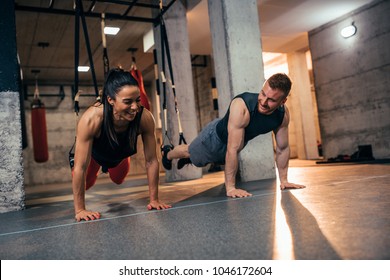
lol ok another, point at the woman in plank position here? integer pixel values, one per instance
(107, 136)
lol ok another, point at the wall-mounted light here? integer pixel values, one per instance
(111, 30)
(348, 31)
(83, 68)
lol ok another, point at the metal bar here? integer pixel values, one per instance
(195, 57)
(144, 5)
(167, 7)
(82, 94)
(45, 67)
(48, 95)
(130, 7)
(56, 84)
(92, 6)
(87, 14)
(60, 95)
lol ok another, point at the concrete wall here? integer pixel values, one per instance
(11, 168)
(202, 74)
(11, 165)
(61, 131)
(352, 81)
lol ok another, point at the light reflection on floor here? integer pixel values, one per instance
(283, 245)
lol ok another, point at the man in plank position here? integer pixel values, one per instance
(248, 116)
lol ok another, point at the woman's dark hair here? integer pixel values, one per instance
(116, 79)
(280, 81)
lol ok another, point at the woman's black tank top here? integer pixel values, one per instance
(108, 156)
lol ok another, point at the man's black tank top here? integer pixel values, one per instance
(258, 123)
(108, 156)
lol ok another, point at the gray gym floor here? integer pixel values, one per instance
(342, 214)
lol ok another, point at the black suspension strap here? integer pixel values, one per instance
(76, 111)
(156, 72)
(79, 14)
(165, 49)
(106, 62)
(164, 87)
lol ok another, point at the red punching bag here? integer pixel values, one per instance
(138, 76)
(38, 125)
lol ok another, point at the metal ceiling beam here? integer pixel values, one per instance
(124, 16)
(87, 14)
(121, 2)
(131, 5)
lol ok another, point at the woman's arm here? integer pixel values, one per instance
(87, 127)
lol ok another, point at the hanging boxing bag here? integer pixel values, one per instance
(39, 134)
(138, 76)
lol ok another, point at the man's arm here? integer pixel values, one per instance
(283, 153)
(151, 161)
(238, 120)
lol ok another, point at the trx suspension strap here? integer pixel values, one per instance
(106, 62)
(165, 49)
(156, 71)
(76, 111)
(163, 80)
(79, 13)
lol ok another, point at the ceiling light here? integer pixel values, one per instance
(348, 31)
(111, 30)
(83, 68)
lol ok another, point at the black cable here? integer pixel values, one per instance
(87, 43)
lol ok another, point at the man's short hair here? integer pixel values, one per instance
(280, 81)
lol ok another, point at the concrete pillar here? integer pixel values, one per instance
(238, 62)
(176, 25)
(302, 111)
(11, 168)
